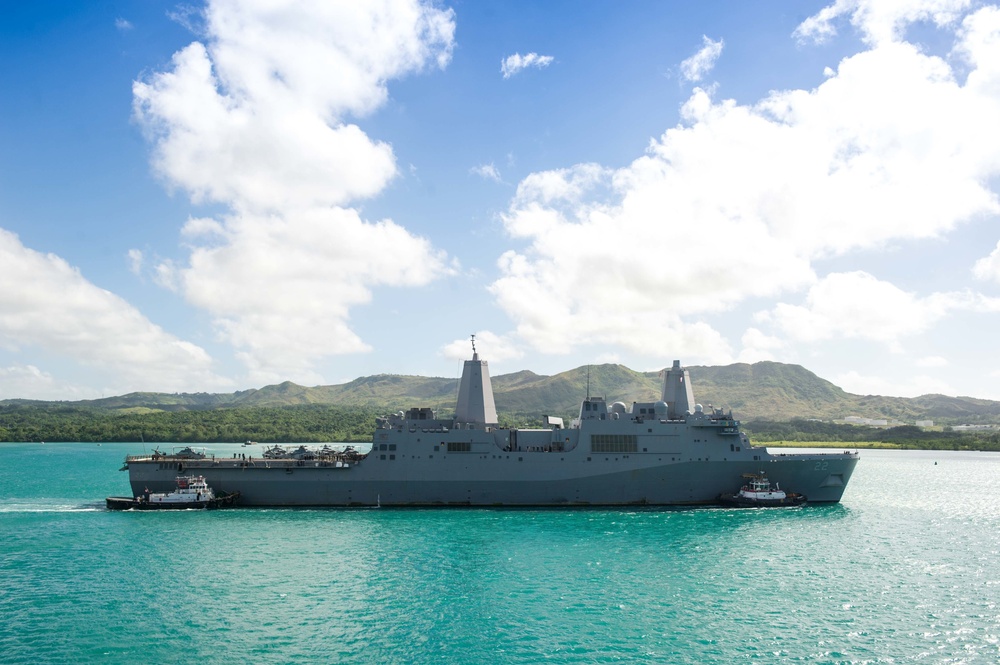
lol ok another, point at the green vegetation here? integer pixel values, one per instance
(321, 423)
(776, 402)
(867, 445)
(800, 432)
(762, 391)
(309, 423)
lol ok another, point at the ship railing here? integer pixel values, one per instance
(251, 462)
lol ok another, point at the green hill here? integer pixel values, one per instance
(774, 391)
(761, 391)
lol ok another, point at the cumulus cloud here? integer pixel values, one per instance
(281, 287)
(89, 324)
(702, 62)
(514, 64)
(858, 305)
(257, 116)
(740, 201)
(123, 24)
(260, 117)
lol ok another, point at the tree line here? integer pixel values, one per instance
(904, 436)
(306, 423)
(354, 424)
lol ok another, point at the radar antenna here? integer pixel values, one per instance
(473, 345)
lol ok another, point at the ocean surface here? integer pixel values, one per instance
(905, 570)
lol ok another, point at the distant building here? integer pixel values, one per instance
(925, 423)
(858, 420)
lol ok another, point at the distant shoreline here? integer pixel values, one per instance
(832, 444)
(837, 445)
(864, 445)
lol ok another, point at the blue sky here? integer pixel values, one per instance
(222, 196)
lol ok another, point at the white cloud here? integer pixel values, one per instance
(514, 64)
(702, 62)
(187, 16)
(740, 201)
(758, 346)
(931, 361)
(879, 21)
(258, 117)
(166, 275)
(281, 288)
(122, 24)
(859, 306)
(491, 347)
(46, 304)
(988, 268)
(608, 357)
(487, 172)
(29, 382)
(859, 384)
(135, 260)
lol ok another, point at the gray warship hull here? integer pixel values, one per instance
(506, 480)
(669, 452)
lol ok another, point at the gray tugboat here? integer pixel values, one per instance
(668, 452)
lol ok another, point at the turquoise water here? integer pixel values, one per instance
(905, 570)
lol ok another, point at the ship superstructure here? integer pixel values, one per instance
(668, 452)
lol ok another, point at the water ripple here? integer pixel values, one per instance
(885, 577)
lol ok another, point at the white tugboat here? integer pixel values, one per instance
(759, 492)
(191, 492)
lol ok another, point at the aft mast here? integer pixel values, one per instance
(475, 393)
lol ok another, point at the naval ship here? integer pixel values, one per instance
(663, 453)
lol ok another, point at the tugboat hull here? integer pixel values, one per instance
(737, 501)
(139, 503)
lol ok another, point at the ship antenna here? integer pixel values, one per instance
(473, 345)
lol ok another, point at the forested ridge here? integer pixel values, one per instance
(309, 423)
(903, 436)
(325, 423)
(775, 401)
(761, 391)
